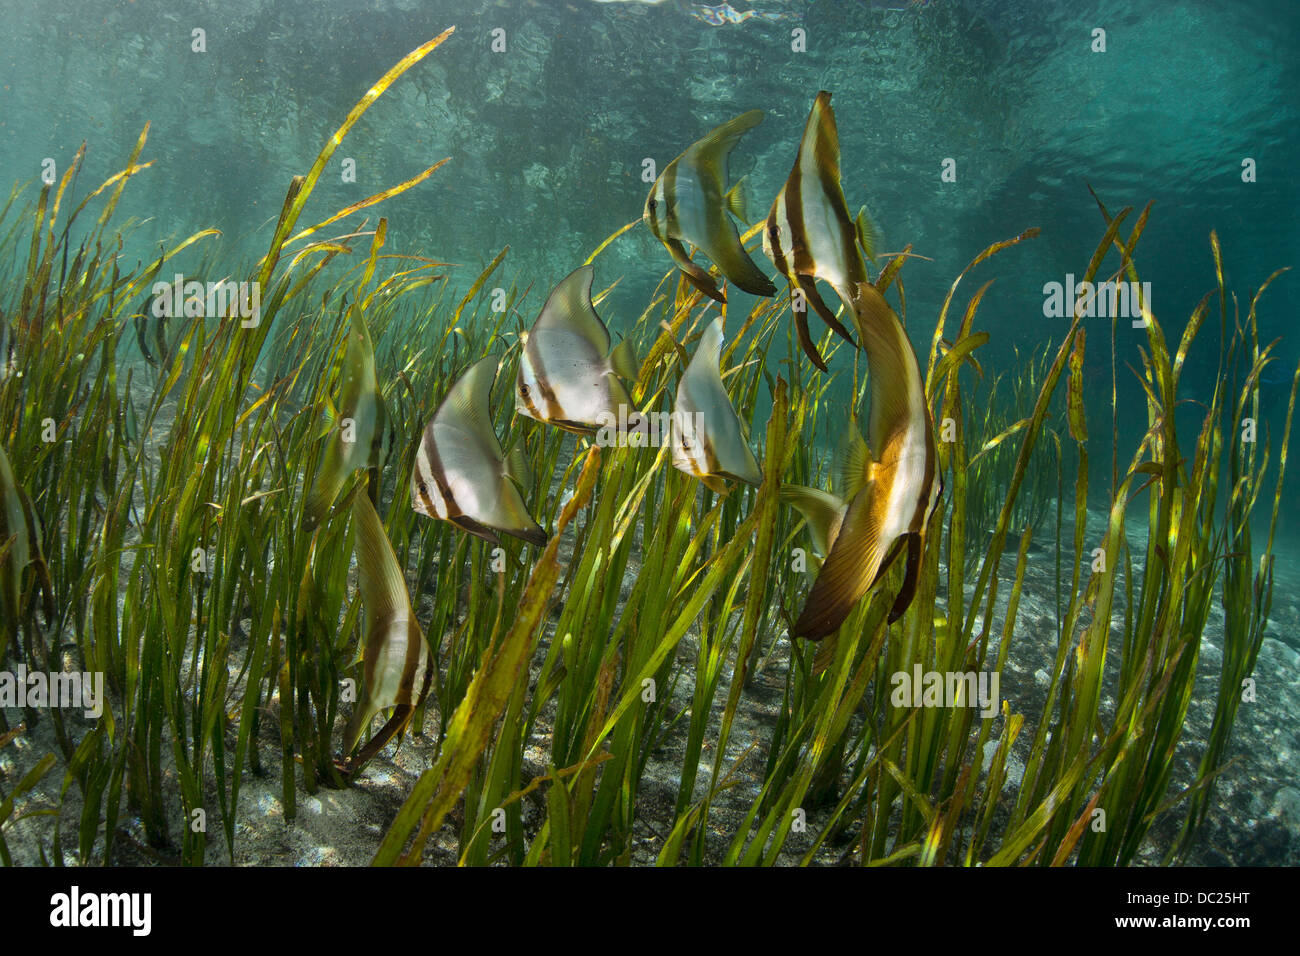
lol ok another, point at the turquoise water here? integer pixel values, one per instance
(547, 138)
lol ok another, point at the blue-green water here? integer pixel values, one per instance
(1190, 105)
(547, 138)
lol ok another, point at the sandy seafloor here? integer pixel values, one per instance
(1255, 819)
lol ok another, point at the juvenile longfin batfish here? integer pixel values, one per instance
(891, 488)
(689, 202)
(460, 473)
(809, 234)
(706, 435)
(396, 659)
(568, 377)
(20, 530)
(355, 436)
(8, 349)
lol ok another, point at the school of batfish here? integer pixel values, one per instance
(570, 376)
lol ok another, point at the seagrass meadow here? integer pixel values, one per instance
(1097, 667)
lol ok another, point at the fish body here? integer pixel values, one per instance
(891, 483)
(689, 203)
(568, 376)
(707, 440)
(396, 659)
(8, 350)
(460, 473)
(355, 434)
(809, 234)
(151, 328)
(18, 521)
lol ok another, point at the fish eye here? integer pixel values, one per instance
(523, 389)
(686, 445)
(652, 205)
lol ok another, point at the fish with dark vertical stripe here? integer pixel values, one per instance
(460, 473)
(690, 203)
(396, 660)
(355, 432)
(568, 376)
(809, 234)
(890, 487)
(706, 435)
(20, 548)
(8, 349)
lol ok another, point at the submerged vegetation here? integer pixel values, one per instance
(178, 542)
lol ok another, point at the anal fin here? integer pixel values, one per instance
(805, 338)
(694, 274)
(908, 591)
(809, 286)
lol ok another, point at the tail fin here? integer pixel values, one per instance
(737, 200)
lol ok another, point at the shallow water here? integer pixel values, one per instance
(961, 122)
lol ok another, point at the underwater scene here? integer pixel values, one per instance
(635, 433)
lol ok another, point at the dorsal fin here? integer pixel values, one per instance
(466, 405)
(822, 139)
(569, 307)
(709, 353)
(701, 392)
(897, 395)
(709, 155)
(383, 589)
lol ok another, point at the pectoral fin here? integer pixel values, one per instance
(517, 466)
(868, 234)
(821, 510)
